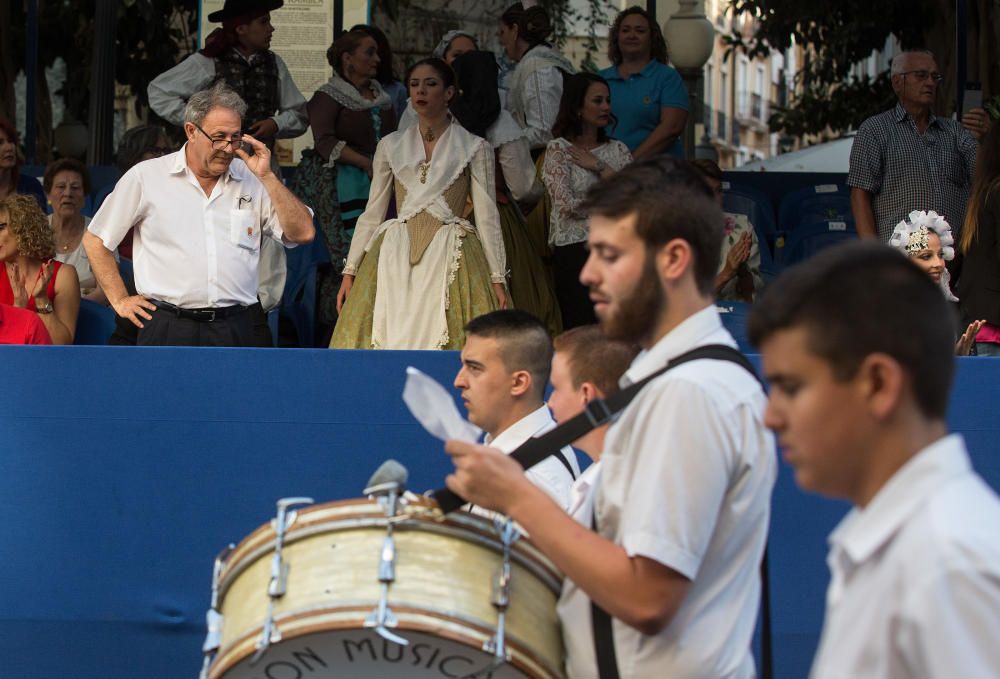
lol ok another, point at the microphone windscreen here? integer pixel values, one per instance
(390, 471)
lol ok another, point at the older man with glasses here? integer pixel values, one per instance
(907, 158)
(199, 216)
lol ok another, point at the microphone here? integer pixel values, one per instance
(391, 476)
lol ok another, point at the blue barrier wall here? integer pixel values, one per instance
(124, 471)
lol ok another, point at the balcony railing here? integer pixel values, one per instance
(756, 107)
(721, 125)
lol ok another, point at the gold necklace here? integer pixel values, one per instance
(430, 135)
(424, 166)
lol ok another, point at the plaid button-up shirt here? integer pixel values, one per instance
(905, 170)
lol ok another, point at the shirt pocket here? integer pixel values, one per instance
(244, 232)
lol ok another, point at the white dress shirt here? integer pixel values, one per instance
(915, 577)
(550, 474)
(189, 249)
(686, 477)
(169, 92)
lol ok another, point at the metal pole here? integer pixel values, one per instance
(31, 89)
(691, 76)
(338, 17)
(102, 90)
(961, 52)
(651, 9)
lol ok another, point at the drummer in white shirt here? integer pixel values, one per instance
(505, 368)
(199, 217)
(858, 346)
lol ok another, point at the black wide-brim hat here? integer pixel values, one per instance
(236, 8)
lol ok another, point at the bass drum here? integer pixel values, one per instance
(441, 599)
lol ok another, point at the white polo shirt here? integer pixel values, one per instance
(550, 474)
(915, 576)
(686, 477)
(189, 249)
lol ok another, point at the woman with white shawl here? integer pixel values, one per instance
(536, 85)
(414, 281)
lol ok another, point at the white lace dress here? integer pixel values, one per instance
(567, 184)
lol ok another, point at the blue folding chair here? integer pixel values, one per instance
(94, 323)
(808, 239)
(755, 204)
(814, 204)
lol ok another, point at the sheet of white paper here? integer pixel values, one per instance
(434, 408)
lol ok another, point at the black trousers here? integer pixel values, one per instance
(572, 295)
(166, 329)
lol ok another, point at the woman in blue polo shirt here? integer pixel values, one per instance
(647, 96)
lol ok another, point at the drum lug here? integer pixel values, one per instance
(496, 645)
(278, 584)
(382, 618)
(213, 618)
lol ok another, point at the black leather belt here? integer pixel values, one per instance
(207, 315)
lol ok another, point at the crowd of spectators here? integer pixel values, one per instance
(552, 133)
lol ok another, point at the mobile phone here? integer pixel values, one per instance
(973, 97)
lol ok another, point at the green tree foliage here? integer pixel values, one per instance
(836, 36)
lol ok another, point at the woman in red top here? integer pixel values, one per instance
(32, 279)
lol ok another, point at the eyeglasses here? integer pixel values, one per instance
(221, 144)
(923, 75)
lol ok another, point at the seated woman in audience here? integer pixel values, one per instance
(11, 179)
(648, 97)
(66, 184)
(535, 87)
(738, 279)
(925, 237)
(979, 285)
(579, 156)
(32, 279)
(478, 109)
(349, 114)
(414, 281)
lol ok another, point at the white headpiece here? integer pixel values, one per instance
(910, 237)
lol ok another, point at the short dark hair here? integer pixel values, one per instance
(670, 200)
(524, 342)
(137, 141)
(857, 299)
(65, 165)
(569, 122)
(657, 44)
(594, 357)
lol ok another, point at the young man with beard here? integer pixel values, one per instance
(681, 509)
(860, 365)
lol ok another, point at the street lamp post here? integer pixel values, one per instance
(690, 38)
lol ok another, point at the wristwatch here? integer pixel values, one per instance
(45, 308)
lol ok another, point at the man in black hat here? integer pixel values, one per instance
(238, 54)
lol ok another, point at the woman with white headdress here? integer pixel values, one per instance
(925, 237)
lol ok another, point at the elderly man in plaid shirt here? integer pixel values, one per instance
(909, 159)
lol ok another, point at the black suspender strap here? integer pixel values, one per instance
(597, 413)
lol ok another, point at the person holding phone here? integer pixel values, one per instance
(200, 217)
(907, 158)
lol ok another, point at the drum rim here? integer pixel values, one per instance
(316, 519)
(297, 624)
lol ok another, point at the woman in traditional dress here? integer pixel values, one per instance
(413, 282)
(477, 108)
(579, 156)
(536, 85)
(349, 114)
